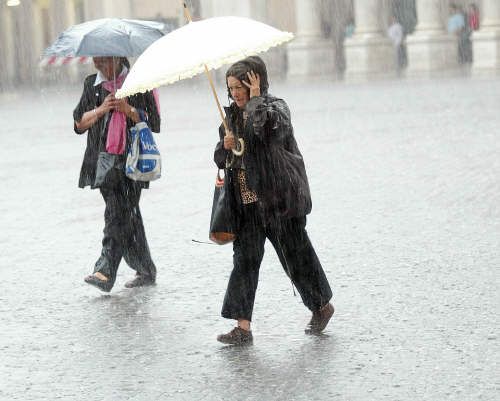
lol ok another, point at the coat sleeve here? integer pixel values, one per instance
(146, 102)
(220, 154)
(271, 117)
(86, 103)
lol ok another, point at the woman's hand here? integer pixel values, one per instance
(253, 84)
(229, 141)
(91, 117)
(121, 105)
(106, 106)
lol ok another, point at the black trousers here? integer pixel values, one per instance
(295, 252)
(124, 234)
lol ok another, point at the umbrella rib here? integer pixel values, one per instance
(75, 41)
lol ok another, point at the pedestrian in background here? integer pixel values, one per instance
(395, 33)
(458, 27)
(107, 120)
(270, 198)
(349, 28)
(473, 17)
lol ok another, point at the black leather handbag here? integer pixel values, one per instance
(105, 163)
(222, 220)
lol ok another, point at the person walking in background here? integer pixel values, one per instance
(472, 24)
(349, 28)
(473, 17)
(107, 120)
(458, 27)
(270, 197)
(395, 33)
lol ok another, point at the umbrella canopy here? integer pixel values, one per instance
(61, 61)
(106, 37)
(186, 51)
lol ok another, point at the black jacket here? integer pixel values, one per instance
(274, 165)
(92, 97)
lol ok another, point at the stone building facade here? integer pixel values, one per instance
(321, 47)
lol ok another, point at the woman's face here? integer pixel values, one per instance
(238, 91)
(106, 64)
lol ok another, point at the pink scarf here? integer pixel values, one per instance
(117, 129)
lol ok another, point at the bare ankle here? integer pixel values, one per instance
(100, 276)
(244, 324)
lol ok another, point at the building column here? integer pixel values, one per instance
(430, 47)
(116, 9)
(309, 54)
(486, 41)
(218, 8)
(23, 31)
(368, 52)
(275, 57)
(95, 9)
(8, 77)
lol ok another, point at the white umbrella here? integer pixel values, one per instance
(198, 47)
(184, 52)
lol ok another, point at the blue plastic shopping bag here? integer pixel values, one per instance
(143, 158)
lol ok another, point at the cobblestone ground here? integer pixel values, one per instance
(406, 221)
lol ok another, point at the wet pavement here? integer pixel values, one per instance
(406, 221)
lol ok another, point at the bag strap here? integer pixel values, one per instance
(142, 115)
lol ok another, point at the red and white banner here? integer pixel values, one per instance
(59, 61)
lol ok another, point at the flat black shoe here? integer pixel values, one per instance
(103, 285)
(236, 336)
(320, 319)
(140, 280)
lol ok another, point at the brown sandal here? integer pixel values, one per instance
(103, 285)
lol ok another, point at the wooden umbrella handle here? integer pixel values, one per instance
(187, 14)
(207, 73)
(240, 151)
(212, 86)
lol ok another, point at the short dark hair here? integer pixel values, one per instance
(124, 61)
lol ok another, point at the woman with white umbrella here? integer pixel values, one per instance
(270, 198)
(107, 120)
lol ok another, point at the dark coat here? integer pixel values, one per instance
(92, 97)
(274, 165)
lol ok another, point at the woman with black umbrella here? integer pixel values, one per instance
(270, 198)
(107, 121)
